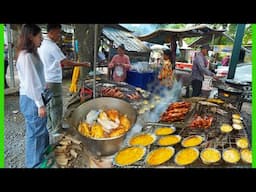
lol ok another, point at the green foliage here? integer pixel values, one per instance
(171, 26)
(247, 34)
(190, 40)
(231, 31)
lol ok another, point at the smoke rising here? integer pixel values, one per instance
(161, 103)
(168, 96)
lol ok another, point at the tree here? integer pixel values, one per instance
(247, 34)
(84, 34)
(231, 31)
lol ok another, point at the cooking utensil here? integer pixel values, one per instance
(102, 146)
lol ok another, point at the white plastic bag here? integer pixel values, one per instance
(119, 71)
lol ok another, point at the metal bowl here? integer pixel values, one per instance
(159, 161)
(195, 137)
(139, 141)
(184, 154)
(210, 160)
(102, 146)
(233, 156)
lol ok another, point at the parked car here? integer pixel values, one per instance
(242, 78)
(243, 72)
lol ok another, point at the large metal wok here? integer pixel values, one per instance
(102, 146)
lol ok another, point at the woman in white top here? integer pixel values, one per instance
(32, 82)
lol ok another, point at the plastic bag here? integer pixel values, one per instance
(119, 71)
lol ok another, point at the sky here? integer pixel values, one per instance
(141, 29)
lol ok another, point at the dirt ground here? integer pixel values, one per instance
(15, 126)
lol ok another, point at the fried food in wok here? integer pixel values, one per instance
(105, 124)
(117, 132)
(124, 121)
(113, 114)
(84, 129)
(97, 131)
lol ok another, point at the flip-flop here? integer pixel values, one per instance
(47, 163)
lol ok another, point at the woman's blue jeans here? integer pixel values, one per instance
(37, 136)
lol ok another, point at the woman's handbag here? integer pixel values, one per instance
(46, 96)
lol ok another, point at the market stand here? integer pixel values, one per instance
(70, 149)
(221, 112)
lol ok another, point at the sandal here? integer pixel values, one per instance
(47, 163)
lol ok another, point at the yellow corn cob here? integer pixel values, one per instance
(75, 75)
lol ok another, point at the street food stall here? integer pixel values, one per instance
(124, 126)
(187, 133)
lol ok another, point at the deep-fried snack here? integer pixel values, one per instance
(97, 131)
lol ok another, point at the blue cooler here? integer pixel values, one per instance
(140, 79)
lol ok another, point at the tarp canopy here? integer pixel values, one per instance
(162, 36)
(120, 36)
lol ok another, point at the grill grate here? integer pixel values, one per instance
(213, 137)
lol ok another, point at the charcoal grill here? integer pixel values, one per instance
(231, 95)
(244, 86)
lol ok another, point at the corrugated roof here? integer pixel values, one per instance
(130, 42)
(162, 36)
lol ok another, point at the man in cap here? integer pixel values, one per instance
(200, 69)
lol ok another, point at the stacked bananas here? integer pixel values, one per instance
(73, 87)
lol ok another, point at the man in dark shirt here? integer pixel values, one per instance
(200, 69)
